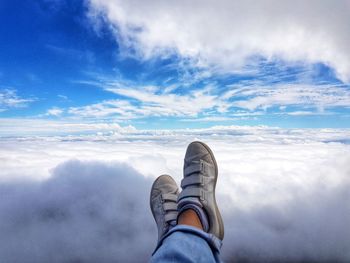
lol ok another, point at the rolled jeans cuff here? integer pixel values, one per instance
(214, 242)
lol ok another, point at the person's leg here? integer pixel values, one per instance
(198, 235)
(186, 245)
(187, 242)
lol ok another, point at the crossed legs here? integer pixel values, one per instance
(190, 228)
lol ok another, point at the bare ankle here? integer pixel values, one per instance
(190, 218)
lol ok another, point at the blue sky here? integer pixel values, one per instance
(153, 66)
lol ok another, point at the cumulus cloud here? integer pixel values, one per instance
(284, 193)
(228, 33)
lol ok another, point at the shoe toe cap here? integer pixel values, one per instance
(198, 150)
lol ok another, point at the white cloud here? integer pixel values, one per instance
(138, 101)
(145, 101)
(308, 96)
(120, 109)
(25, 127)
(170, 104)
(63, 98)
(301, 113)
(54, 112)
(10, 99)
(227, 33)
(284, 194)
(85, 212)
(213, 100)
(210, 119)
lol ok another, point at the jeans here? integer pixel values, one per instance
(187, 244)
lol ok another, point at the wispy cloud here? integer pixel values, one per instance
(119, 109)
(301, 113)
(54, 112)
(155, 102)
(63, 98)
(306, 96)
(9, 99)
(210, 119)
(22, 127)
(141, 100)
(248, 99)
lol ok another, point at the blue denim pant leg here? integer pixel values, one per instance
(187, 244)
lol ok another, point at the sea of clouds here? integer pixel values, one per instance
(284, 194)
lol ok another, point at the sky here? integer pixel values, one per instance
(168, 65)
(100, 97)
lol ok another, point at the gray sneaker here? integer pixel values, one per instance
(163, 202)
(198, 187)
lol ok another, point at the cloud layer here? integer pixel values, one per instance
(85, 212)
(229, 33)
(284, 194)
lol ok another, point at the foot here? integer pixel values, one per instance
(198, 188)
(163, 198)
